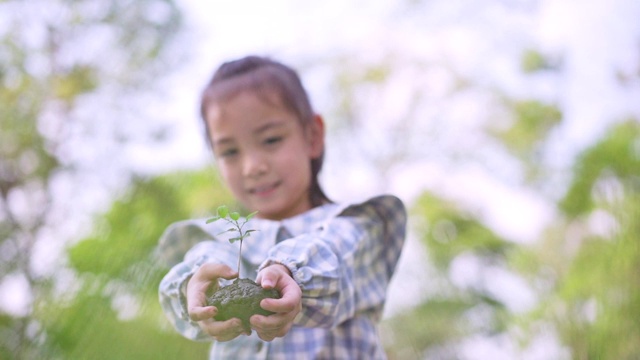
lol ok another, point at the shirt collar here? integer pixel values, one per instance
(298, 224)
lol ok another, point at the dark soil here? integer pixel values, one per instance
(241, 300)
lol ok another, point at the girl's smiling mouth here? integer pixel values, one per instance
(264, 190)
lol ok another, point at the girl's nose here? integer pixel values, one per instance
(254, 164)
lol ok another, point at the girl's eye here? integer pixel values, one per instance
(272, 140)
(228, 153)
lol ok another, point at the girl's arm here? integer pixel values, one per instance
(344, 268)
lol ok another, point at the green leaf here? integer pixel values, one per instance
(228, 230)
(213, 219)
(234, 215)
(232, 240)
(251, 215)
(223, 211)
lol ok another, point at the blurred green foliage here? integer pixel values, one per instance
(136, 221)
(533, 61)
(450, 232)
(583, 270)
(57, 59)
(433, 324)
(114, 312)
(530, 124)
(613, 163)
(592, 297)
(441, 321)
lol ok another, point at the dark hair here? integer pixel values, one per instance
(265, 77)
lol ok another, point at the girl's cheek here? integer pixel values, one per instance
(226, 175)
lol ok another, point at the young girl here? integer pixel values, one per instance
(331, 262)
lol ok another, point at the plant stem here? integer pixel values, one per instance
(239, 257)
(239, 227)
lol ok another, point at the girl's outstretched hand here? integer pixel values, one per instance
(201, 283)
(286, 308)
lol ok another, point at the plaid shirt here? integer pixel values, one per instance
(342, 256)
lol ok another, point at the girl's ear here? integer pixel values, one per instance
(316, 136)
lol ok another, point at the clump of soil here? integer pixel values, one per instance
(241, 300)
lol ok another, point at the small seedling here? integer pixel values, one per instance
(242, 298)
(233, 218)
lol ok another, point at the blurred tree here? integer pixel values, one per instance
(457, 310)
(115, 294)
(586, 268)
(582, 270)
(71, 75)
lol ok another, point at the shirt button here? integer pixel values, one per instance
(303, 275)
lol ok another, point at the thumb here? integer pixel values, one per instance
(213, 270)
(268, 280)
(269, 276)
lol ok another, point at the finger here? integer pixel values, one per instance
(210, 271)
(262, 323)
(277, 305)
(273, 322)
(198, 313)
(266, 336)
(223, 330)
(259, 279)
(196, 298)
(204, 280)
(271, 275)
(270, 327)
(266, 280)
(289, 301)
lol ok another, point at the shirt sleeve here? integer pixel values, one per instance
(344, 267)
(172, 287)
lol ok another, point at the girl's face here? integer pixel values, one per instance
(264, 153)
